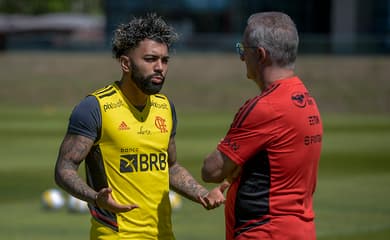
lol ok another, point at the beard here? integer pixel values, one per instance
(145, 83)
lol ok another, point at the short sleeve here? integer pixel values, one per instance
(254, 134)
(86, 119)
(174, 119)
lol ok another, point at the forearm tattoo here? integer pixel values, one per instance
(73, 151)
(182, 182)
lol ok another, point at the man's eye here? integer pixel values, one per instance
(150, 59)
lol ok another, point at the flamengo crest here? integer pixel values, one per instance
(160, 124)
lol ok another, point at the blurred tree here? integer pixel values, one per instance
(36, 7)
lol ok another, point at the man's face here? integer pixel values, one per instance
(149, 65)
(249, 57)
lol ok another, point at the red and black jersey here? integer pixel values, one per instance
(276, 139)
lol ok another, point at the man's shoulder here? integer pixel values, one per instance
(160, 96)
(107, 90)
(86, 106)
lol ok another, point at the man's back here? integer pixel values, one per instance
(295, 149)
(276, 139)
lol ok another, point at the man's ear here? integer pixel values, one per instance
(263, 55)
(125, 63)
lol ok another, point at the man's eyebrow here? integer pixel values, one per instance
(156, 55)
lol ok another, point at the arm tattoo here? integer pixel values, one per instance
(180, 180)
(72, 152)
(184, 183)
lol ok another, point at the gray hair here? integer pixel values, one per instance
(127, 36)
(277, 33)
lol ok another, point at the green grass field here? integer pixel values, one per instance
(352, 199)
(38, 91)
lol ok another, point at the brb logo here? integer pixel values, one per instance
(143, 162)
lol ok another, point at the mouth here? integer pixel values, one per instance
(157, 79)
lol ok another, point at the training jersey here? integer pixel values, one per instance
(276, 140)
(130, 155)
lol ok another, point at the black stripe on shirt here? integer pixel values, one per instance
(249, 105)
(107, 94)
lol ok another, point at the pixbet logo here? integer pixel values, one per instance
(159, 105)
(112, 105)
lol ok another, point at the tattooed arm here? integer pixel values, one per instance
(73, 151)
(182, 182)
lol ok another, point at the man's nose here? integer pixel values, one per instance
(158, 67)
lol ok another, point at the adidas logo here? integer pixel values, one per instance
(123, 126)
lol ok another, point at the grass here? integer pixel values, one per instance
(352, 196)
(195, 81)
(351, 201)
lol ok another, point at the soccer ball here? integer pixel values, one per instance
(175, 199)
(52, 199)
(76, 205)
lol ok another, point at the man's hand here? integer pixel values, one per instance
(104, 200)
(215, 197)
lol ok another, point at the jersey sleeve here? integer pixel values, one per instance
(174, 119)
(86, 119)
(246, 137)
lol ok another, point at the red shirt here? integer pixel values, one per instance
(276, 139)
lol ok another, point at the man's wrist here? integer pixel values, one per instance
(204, 194)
